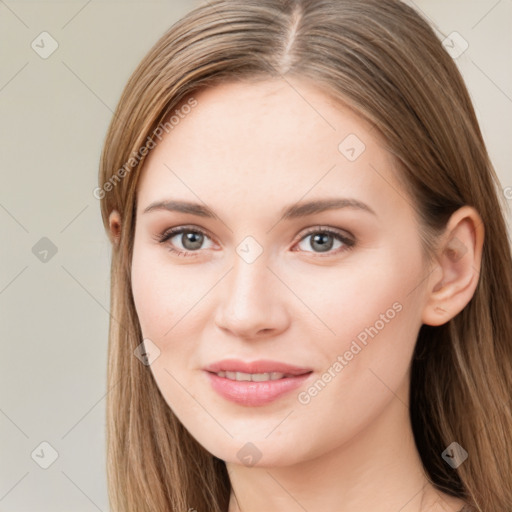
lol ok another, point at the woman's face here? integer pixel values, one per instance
(336, 293)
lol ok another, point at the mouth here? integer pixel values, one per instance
(254, 383)
(253, 377)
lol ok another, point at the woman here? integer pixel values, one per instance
(311, 275)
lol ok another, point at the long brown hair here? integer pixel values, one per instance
(382, 59)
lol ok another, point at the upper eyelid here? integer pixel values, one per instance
(171, 232)
(320, 229)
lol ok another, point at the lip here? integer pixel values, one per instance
(252, 394)
(259, 366)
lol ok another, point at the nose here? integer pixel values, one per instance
(252, 302)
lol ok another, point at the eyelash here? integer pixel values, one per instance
(170, 233)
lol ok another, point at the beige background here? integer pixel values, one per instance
(54, 114)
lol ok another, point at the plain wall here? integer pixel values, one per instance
(54, 113)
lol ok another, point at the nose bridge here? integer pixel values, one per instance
(248, 283)
(251, 301)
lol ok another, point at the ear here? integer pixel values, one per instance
(457, 267)
(114, 221)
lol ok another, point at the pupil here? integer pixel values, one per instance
(321, 239)
(192, 240)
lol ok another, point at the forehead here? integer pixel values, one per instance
(273, 139)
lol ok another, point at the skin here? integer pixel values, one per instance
(247, 151)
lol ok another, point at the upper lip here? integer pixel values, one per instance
(259, 366)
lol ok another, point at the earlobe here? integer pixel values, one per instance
(114, 221)
(458, 262)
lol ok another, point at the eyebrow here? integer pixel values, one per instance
(289, 212)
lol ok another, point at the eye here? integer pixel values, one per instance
(190, 238)
(322, 240)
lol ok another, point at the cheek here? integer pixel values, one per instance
(167, 300)
(163, 292)
(373, 314)
(366, 372)
(162, 297)
(361, 299)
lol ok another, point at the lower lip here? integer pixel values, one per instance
(255, 393)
